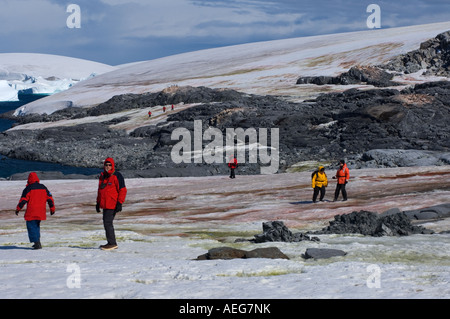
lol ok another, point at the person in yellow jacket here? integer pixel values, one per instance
(319, 182)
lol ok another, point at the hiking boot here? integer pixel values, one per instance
(108, 247)
(37, 245)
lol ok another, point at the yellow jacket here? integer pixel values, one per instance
(319, 179)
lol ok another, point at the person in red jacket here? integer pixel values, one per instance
(35, 196)
(342, 176)
(232, 165)
(110, 197)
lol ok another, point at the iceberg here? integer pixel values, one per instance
(7, 93)
(28, 76)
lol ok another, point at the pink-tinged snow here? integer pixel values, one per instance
(271, 67)
(166, 223)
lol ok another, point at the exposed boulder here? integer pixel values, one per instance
(322, 253)
(232, 253)
(433, 212)
(277, 231)
(371, 224)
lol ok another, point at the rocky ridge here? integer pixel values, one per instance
(382, 127)
(370, 75)
(336, 125)
(433, 57)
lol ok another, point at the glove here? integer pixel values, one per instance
(52, 212)
(118, 208)
(17, 213)
(97, 207)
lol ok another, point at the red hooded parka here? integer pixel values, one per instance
(343, 174)
(111, 188)
(233, 163)
(35, 195)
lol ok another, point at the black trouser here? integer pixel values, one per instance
(108, 218)
(232, 175)
(316, 192)
(340, 188)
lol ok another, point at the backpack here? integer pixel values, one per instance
(314, 173)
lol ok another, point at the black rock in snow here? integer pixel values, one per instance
(322, 253)
(433, 212)
(232, 253)
(277, 231)
(371, 224)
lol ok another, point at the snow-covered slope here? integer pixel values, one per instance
(43, 73)
(261, 68)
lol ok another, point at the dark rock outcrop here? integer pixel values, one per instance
(433, 55)
(403, 158)
(371, 224)
(333, 126)
(232, 253)
(369, 75)
(277, 231)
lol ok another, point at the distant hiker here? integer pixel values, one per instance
(35, 195)
(110, 197)
(318, 183)
(149, 114)
(342, 176)
(164, 109)
(172, 107)
(233, 164)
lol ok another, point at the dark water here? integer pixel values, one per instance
(6, 107)
(9, 166)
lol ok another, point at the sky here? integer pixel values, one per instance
(122, 31)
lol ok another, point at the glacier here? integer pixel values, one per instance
(43, 74)
(7, 93)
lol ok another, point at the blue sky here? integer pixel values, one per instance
(123, 31)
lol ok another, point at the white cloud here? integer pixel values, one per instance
(31, 15)
(119, 30)
(121, 2)
(181, 18)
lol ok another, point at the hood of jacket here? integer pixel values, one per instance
(32, 178)
(113, 168)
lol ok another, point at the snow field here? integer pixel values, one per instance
(167, 223)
